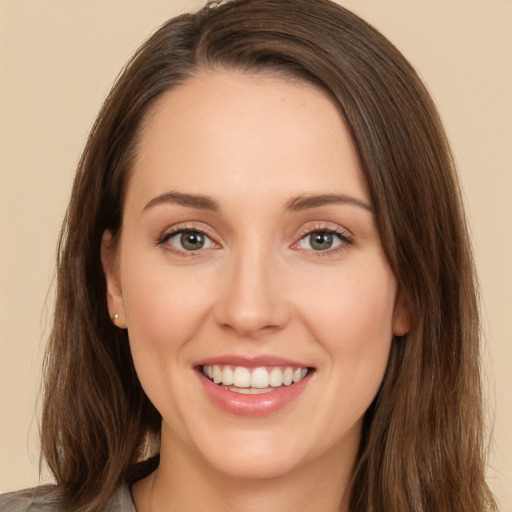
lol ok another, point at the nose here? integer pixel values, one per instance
(252, 301)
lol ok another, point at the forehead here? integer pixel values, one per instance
(249, 130)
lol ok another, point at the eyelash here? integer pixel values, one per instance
(168, 235)
(345, 239)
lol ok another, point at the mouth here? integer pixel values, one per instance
(253, 386)
(253, 381)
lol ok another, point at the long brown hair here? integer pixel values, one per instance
(422, 446)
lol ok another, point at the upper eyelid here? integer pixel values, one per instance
(344, 235)
(325, 226)
(171, 231)
(304, 230)
(164, 239)
(178, 228)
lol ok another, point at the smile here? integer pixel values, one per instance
(240, 379)
(253, 387)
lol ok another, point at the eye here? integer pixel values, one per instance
(188, 240)
(322, 240)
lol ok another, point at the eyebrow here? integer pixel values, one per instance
(305, 202)
(190, 200)
(295, 204)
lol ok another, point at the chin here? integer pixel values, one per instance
(242, 465)
(258, 454)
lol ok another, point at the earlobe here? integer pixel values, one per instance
(113, 282)
(401, 316)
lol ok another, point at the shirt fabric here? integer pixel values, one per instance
(40, 499)
(43, 498)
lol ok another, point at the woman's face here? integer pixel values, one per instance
(249, 251)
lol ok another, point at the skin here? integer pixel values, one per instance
(253, 144)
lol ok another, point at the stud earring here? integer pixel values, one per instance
(116, 316)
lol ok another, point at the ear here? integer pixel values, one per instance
(110, 265)
(401, 316)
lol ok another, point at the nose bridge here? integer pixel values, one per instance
(252, 301)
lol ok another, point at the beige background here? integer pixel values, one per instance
(58, 59)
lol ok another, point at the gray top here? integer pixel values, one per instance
(45, 498)
(41, 499)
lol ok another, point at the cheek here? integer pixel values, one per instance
(355, 308)
(162, 306)
(353, 320)
(164, 310)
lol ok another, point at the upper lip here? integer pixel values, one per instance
(250, 361)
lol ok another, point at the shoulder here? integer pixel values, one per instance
(45, 499)
(121, 501)
(41, 498)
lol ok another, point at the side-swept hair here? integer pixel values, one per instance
(422, 446)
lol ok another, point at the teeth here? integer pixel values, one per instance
(217, 374)
(249, 391)
(276, 377)
(241, 377)
(288, 376)
(227, 376)
(258, 380)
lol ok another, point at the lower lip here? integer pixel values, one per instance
(261, 404)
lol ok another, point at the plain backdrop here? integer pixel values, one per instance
(58, 59)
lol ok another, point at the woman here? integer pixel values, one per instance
(265, 278)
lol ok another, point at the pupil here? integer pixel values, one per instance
(191, 240)
(321, 241)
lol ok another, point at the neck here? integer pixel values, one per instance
(186, 482)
